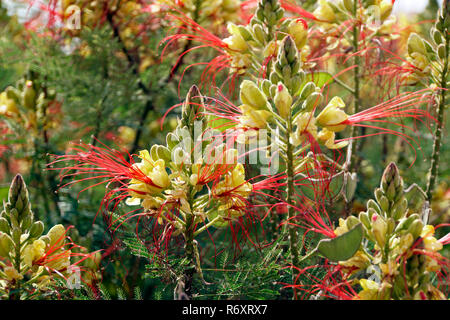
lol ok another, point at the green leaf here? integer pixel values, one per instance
(342, 247)
(4, 193)
(220, 124)
(320, 78)
(416, 197)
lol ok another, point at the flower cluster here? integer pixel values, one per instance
(211, 13)
(373, 14)
(29, 106)
(427, 60)
(400, 255)
(31, 262)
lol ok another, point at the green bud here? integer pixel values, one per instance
(283, 101)
(390, 225)
(404, 223)
(351, 222)
(171, 140)
(36, 229)
(399, 208)
(4, 225)
(163, 152)
(252, 96)
(245, 33)
(13, 93)
(365, 220)
(260, 13)
(442, 52)
(384, 204)
(193, 107)
(307, 90)
(372, 204)
(437, 36)
(416, 228)
(416, 44)
(259, 34)
(6, 244)
(29, 96)
(26, 223)
(265, 86)
(274, 78)
(313, 100)
(349, 5)
(16, 234)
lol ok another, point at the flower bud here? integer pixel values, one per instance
(6, 244)
(252, 96)
(379, 230)
(385, 9)
(404, 223)
(298, 29)
(283, 101)
(312, 101)
(4, 225)
(442, 52)
(416, 44)
(36, 229)
(307, 90)
(259, 34)
(399, 209)
(364, 218)
(416, 228)
(29, 96)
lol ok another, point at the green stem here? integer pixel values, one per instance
(189, 251)
(293, 236)
(356, 101)
(439, 125)
(356, 89)
(15, 295)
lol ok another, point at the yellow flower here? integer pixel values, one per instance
(420, 61)
(8, 106)
(327, 137)
(306, 124)
(232, 192)
(404, 243)
(325, 12)
(390, 268)
(370, 290)
(58, 260)
(342, 227)
(431, 244)
(33, 252)
(57, 235)
(12, 274)
(332, 116)
(360, 261)
(235, 42)
(253, 118)
(155, 171)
